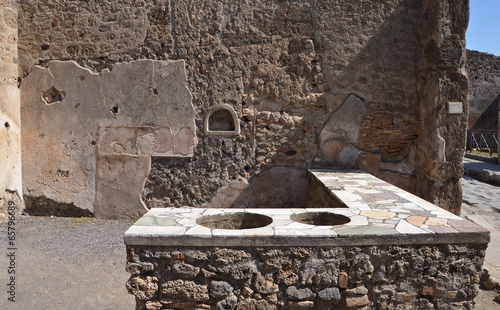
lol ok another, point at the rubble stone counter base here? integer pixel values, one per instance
(381, 248)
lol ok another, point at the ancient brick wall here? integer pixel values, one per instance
(10, 119)
(314, 84)
(376, 277)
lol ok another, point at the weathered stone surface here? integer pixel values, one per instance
(143, 287)
(352, 302)
(220, 289)
(187, 290)
(264, 284)
(329, 294)
(186, 271)
(453, 285)
(228, 303)
(299, 294)
(289, 72)
(83, 113)
(138, 268)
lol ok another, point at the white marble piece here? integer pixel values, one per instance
(187, 222)
(262, 231)
(358, 220)
(157, 230)
(213, 211)
(404, 227)
(298, 226)
(199, 231)
(347, 196)
(288, 232)
(446, 215)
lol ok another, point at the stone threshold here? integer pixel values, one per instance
(379, 214)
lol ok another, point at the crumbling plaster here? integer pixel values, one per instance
(286, 68)
(10, 118)
(100, 131)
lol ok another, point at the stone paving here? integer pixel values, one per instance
(376, 210)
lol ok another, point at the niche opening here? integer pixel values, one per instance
(222, 120)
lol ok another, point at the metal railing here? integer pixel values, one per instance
(482, 141)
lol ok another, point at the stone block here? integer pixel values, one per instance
(357, 301)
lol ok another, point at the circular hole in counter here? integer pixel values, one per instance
(320, 218)
(239, 220)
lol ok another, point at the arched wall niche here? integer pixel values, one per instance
(221, 120)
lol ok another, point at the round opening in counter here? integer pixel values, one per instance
(320, 218)
(240, 220)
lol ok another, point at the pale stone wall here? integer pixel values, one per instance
(10, 118)
(314, 84)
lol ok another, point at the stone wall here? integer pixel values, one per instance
(10, 118)
(442, 80)
(374, 277)
(314, 84)
(484, 88)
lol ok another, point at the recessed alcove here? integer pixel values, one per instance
(221, 120)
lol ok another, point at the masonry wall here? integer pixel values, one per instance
(484, 91)
(313, 84)
(484, 88)
(373, 277)
(10, 118)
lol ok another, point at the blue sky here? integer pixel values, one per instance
(483, 33)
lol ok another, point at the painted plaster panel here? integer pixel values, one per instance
(65, 108)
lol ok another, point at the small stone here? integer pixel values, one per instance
(265, 284)
(299, 294)
(143, 288)
(405, 297)
(451, 294)
(246, 291)
(343, 280)
(272, 299)
(497, 299)
(352, 302)
(138, 268)
(220, 289)
(360, 290)
(186, 271)
(427, 291)
(329, 294)
(153, 305)
(300, 304)
(228, 303)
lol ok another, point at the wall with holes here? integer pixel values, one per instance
(277, 87)
(88, 138)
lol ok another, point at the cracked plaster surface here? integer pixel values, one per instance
(96, 121)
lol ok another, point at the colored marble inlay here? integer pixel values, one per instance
(377, 212)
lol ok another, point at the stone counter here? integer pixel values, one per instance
(390, 249)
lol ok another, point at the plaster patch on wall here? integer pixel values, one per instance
(345, 123)
(66, 136)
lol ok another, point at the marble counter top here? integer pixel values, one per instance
(379, 214)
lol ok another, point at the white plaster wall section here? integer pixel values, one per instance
(60, 137)
(344, 124)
